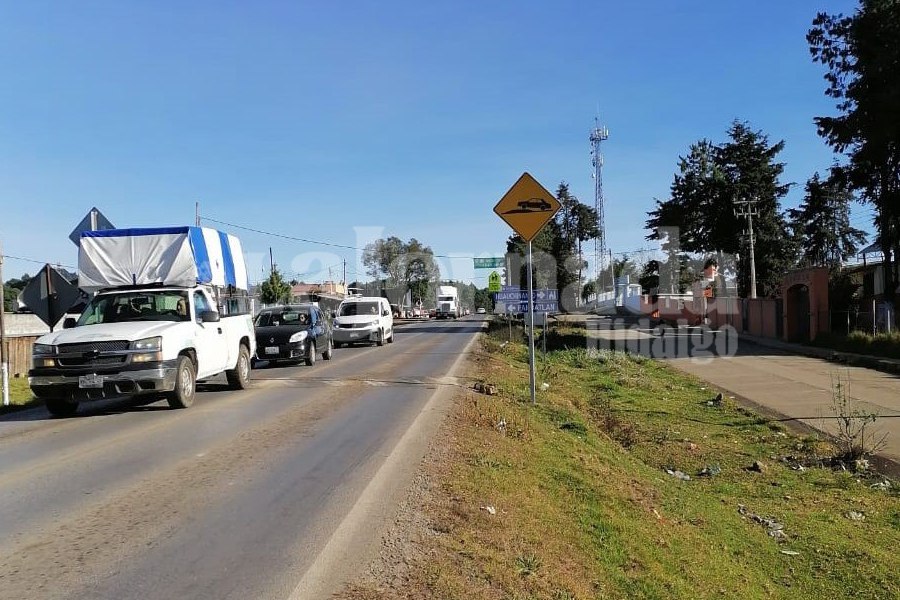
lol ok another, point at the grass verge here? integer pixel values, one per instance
(585, 495)
(19, 395)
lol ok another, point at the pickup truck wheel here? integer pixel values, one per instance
(311, 354)
(391, 339)
(380, 340)
(185, 384)
(329, 351)
(239, 377)
(60, 407)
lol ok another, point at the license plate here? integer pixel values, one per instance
(272, 350)
(354, 335)
(90, 381)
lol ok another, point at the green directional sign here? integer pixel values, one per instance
(494, 282)
(489, 263)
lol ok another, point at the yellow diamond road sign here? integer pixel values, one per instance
(527, 207)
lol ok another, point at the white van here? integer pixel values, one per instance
(363, 320)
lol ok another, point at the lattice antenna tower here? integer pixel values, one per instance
(599, 134)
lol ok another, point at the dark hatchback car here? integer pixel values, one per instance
(294, 332)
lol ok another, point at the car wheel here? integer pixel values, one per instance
(311, 354)
(239, 376)
(329, 351)
(185, 384)
(380, 341)
(60, 407)
(391, 339)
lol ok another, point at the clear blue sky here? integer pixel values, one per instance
(314, 119)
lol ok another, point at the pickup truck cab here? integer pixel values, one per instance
(145, 340)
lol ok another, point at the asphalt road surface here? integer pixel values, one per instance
(278, 491)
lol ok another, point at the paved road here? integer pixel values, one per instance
(273, 492)
(801, 387)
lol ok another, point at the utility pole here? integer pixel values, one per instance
(197, 214)
(747, 208)
(344, 277)
(271, 262)
(4, 364)
(612, 274)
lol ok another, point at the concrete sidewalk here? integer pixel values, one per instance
(771, 375)
(887, 365)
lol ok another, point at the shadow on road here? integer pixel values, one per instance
(110, 406)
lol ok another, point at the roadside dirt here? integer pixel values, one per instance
(401, 569)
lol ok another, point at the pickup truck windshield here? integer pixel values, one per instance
(359, 308)
(169, 305)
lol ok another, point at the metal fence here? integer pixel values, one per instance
(882, 320)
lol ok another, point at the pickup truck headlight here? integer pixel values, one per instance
(372, 324)
(42, 356)
(148, 344)
(300, 336)
(150, 350)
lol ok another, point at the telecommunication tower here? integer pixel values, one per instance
(598, 135)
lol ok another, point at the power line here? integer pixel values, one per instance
(307, 241)
(39, 262)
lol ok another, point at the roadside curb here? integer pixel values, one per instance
(885, 365)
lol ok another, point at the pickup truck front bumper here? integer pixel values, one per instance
(149, 378)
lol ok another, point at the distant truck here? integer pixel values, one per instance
(170, 307)
(447, 302)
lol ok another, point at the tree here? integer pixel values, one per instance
(383, 257)
(484, 299)
(623, 267)
(862, 60)
(710, 180)
(821, 224)
(558, 260)
(419, 269)
(588, 290)
(275, 290)
(578, 223)
(408, 265)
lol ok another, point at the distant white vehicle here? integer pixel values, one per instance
(363, 320)
(447, 302)
(481, 310)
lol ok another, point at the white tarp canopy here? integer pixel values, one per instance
(183, 256)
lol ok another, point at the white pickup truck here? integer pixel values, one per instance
(153, 337)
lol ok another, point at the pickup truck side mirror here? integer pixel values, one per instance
(69, 323)
(209, 316)
(385, 313)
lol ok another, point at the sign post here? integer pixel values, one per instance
(527, 207)
(4, 363)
